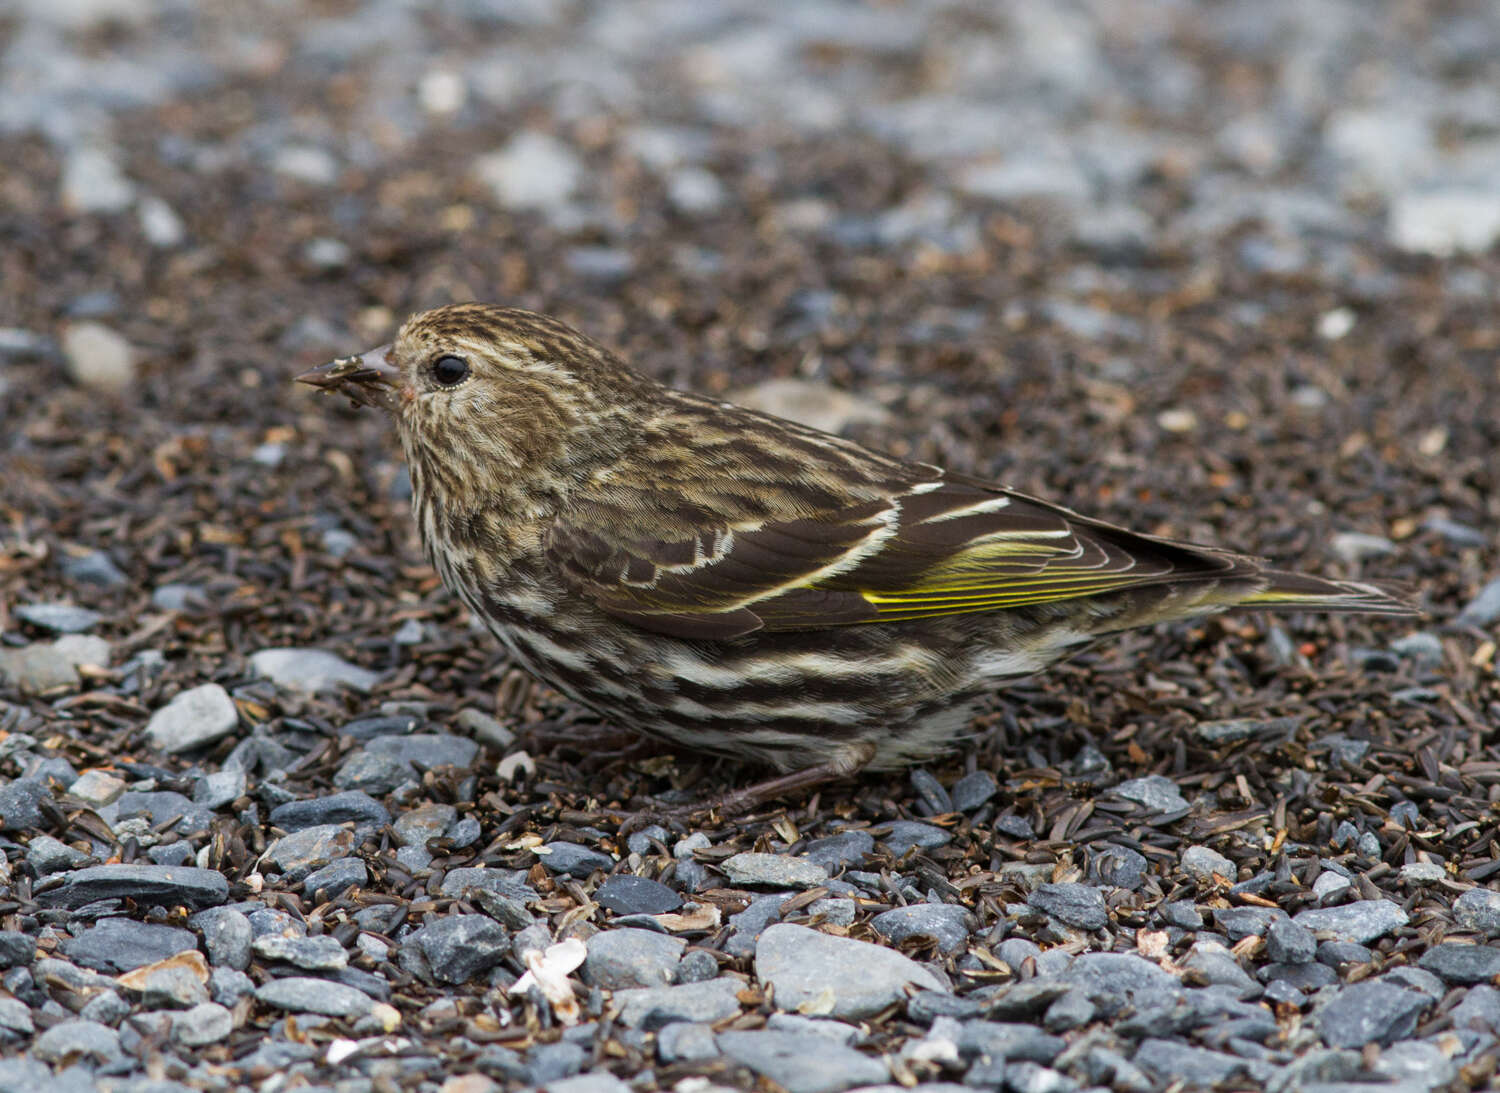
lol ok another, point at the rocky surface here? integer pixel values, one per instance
(274, 815)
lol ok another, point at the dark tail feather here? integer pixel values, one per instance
(1300, 592)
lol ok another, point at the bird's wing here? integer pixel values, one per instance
(922, 548)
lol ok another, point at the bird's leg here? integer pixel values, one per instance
(738, 801)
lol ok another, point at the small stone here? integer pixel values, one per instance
(574, 860)
(1362, 921)
(836, 851)
(47, 855)
(205, 1023)
(1182, 914)
(1479, 1010)
(624, 958)
(304, 995)
(17, 949)
(1242, 922)
(625, 894)
(1244, 728)
(816, 973)
(1337, 954)
(1446, 220)
(944, 924)
(1290, 942)
(194, 718)
(311, 670)
(313, 954)
(456, 948)
(773, 870)
(706, 1002)
(335, 878)
(373, 773)
(421, 825)
(834, 911)
(1329, 884)
(98, 358)
(106, 1007)
(973, 790)
(1460, 963)
(1155, 793)
(1078, 905)
(427, 751)
(1205, 865)
(1118, 867)
(178, 981)
(1478, 909)
(60, 618)
(1484, 609)
(816, 405)
(906, 835)
(933, 795)
(218, 788)
(160, 224)
(686, 1042)
(1370, 1012)
(1421, 874)
(147, 885)
(801, 1062)
(305, 163)
(533, 171)
(300, 853)
(1171, 1062)
(1355, 546)
(485, 729)
(121, 944)
(696, 966)
(1003, 1040)
(1072, 1010)
(469, 883)
(70, 1040)
(226, 935)
(42, 666)
(97, 788)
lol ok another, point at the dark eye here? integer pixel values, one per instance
(450, 370)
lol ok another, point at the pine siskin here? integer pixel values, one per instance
(734, 583)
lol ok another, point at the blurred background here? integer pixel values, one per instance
(1213, 269)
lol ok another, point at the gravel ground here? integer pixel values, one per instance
(275, 815)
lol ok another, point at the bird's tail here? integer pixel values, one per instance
(1301, 592)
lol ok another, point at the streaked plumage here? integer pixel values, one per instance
(739, 584)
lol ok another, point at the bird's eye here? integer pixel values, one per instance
(450, 370)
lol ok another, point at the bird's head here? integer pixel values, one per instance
(482, 393)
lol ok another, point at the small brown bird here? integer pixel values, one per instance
(734, 583)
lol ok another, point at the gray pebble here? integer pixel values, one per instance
(1479, 1010)
(652, 1007)
(1242, 922)
(853, 978)
(696, 966)
(311, 670)
(686, 1042)
(425, 751)
(455, 948)
(640, 842)
(195, 718)
(21, 804)
(1203, 864)
(60, 618)
(1118, 867)
(1478, 909)
(552, 1062)
(801, 1062)
(1460, 963)
(905, 835)
(226, 935)
(206, 1023)
(120, 944)
(773, 870)
(625, 894)
(335, 878)
(747, 926)
(337, 808)
(313, 954)
(837, 851)
(973, 790)
(49, 855)
(227, 986)
(106, 1007)
(1417, 979)
(77, 1038)
(1072, 1010)
(420, 825)
(373, 772)
(1078, 905)
(1182, 914)
(1361, 922)
(148, 885)
(1302, 977)
(468, 882)
(1155, 793)
(95, 568)
(574, 860)
(300, 853)
(1171, 1061)
(1484, 609)
(623, 958)
(484, 728)
(1370, 1012)
(1289, 942)
(945, 924)
(304, 995)
(931, 791)
(219, 788)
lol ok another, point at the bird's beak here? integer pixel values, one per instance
(370, 379)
